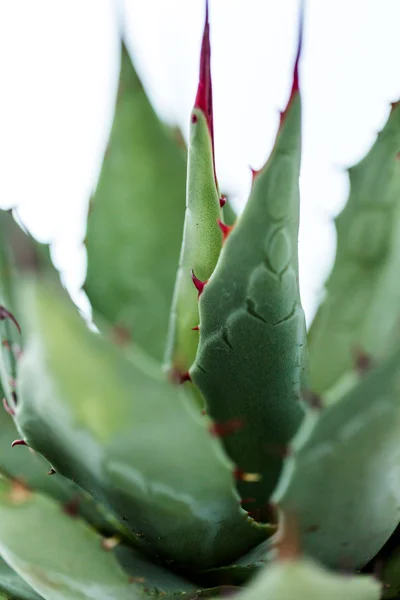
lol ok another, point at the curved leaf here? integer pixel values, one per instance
(115, 426)
(341, 480)
(202, 237)
(135, 223)
(360, 313)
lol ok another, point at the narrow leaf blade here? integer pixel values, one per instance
(136, 220)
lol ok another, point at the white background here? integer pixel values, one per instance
(58, 73)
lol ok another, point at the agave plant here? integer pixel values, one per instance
(198, 442)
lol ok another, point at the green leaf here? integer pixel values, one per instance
(202, 236)
(249, 364)
(153, 577)
(360, 313)
(341, 480)
(302, 579)
(136, 220)
(12, 587)
(59, 556)
(117, 427)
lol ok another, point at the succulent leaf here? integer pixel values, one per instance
(341, 480)
(12, 587)
(360, 313)
(136, 219)
(202, 237)
(305, 580)
(91, 411)
(249, 364)
(56, 554)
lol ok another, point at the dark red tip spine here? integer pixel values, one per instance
(204, 99)
(204, 90)
(295, 80)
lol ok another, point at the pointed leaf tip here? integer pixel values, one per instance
(295, 89)
(204, 90)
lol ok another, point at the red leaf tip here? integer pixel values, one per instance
(204, 99)
(198, 284)
(295, 79)
(204, 90)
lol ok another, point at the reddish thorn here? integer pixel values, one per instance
(197, 328)
(227, 428)
(199, 285)
(52, 471)
(203, 412)
(6, 344)
(185, 377)
(5, 314)
(194, 118)
(362, 361)
(120, 335)
(254, 173)
(398, 156)
(18, 443)
(222, 201)
(226, 229)
(247, 500)
(8, 408)
(71, 507)
(313, 400)
(295, 80)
